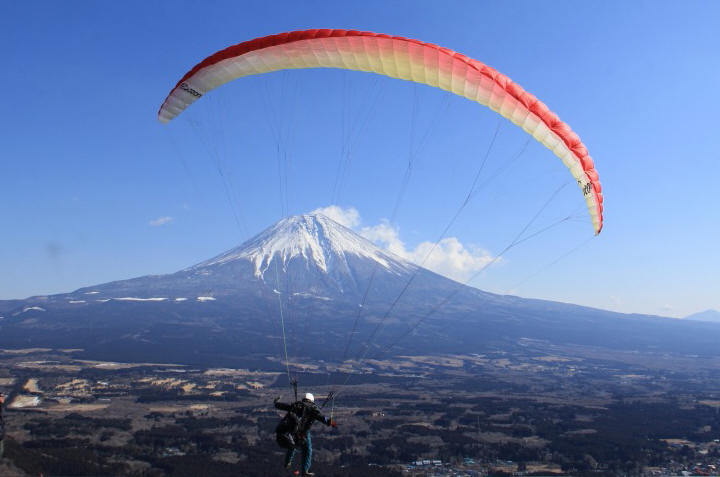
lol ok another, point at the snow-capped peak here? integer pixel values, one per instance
(317, 239)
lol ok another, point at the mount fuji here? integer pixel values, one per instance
(314, 274)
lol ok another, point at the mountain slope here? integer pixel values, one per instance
(712, 316)
(303, 255)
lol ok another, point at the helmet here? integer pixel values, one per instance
(309, 397)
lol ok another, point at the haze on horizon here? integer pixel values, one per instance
(94, 189)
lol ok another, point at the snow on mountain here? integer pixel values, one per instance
(317, 239)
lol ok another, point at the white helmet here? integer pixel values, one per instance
(309, 397)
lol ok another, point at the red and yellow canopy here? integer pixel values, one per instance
(400, 58)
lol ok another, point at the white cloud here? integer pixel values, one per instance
(385, 236)
(452, 259)
(349, 216)
(160, 221)
(449, 257)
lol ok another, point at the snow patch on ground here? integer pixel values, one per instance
(180, 299)
(310, 295)
(205, 298)
(131, 298)
(76, 301)
(33, 308)
(92, 292)
(23, 400)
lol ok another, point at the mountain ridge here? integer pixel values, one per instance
(315, 272)
(710, 316)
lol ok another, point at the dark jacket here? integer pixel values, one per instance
(306, 412)
(2, 423)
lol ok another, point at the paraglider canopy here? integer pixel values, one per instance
(401, 58)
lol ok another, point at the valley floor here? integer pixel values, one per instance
(536, 412)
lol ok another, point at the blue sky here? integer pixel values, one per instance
(93, 188)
